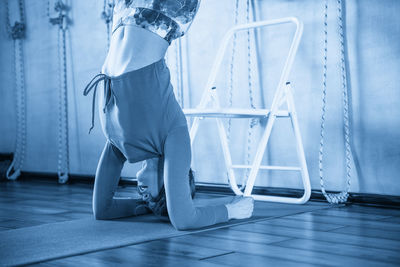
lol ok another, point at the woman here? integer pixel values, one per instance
(143, 121)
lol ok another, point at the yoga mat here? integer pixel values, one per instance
(57, 240)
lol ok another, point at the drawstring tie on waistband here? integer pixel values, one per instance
(93, 85)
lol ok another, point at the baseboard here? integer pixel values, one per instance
(316, 195)
(5, 162)
(6, 156)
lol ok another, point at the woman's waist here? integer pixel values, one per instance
(118, 68)
(132, 48)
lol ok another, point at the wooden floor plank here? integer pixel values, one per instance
(247, 249)
(77, 215)
(368, 232)
(170, 247)
(34, 194)
(274, 210)
(212, 242)
(76, 261)
(241, 259)
(56, 204)
(323, 219)
(227, 233)
(342, 212)
(320, 235)
(372, 210)
(374, 254)
(14, 224)
(32, 209)
(275, 252)
(135, 257)
(297, 224)
(392, 220)
(8, 200)
(25, 216)
(122, 257)
(41, 191)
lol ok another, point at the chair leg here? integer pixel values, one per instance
(227, 157)
(259, 155)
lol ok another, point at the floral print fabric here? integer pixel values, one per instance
(169, 19)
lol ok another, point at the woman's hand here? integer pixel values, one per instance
(240, 207)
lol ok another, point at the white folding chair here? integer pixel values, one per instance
(283, 95)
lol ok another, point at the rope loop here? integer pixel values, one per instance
(62, 177)
(342, 196)
(13, 173)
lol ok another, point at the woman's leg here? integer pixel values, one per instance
(177, 158)
(105, 205)
(181, 209)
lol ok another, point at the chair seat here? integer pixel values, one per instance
(232, 113)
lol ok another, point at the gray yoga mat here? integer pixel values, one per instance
(56, 240)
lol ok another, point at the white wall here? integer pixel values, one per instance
(373, 50)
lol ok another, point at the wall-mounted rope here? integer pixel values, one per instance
(17, 33)
(63, 147)
(107, 16)
(231, 73)
(342, 196)
(253, 122)
(231, 68)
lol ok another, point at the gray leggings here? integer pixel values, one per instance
(176, 164)
(141, 119)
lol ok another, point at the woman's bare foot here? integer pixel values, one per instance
(240, 207)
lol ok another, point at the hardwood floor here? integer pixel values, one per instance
(338, 236)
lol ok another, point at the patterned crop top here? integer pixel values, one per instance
(169, 19)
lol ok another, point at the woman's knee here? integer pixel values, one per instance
(99, 213)
(100, 206)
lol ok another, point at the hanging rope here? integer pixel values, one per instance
(63, 147)
(107, 16)
(253, 122)
(231, 70)
(17, 33)
(342, 196)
